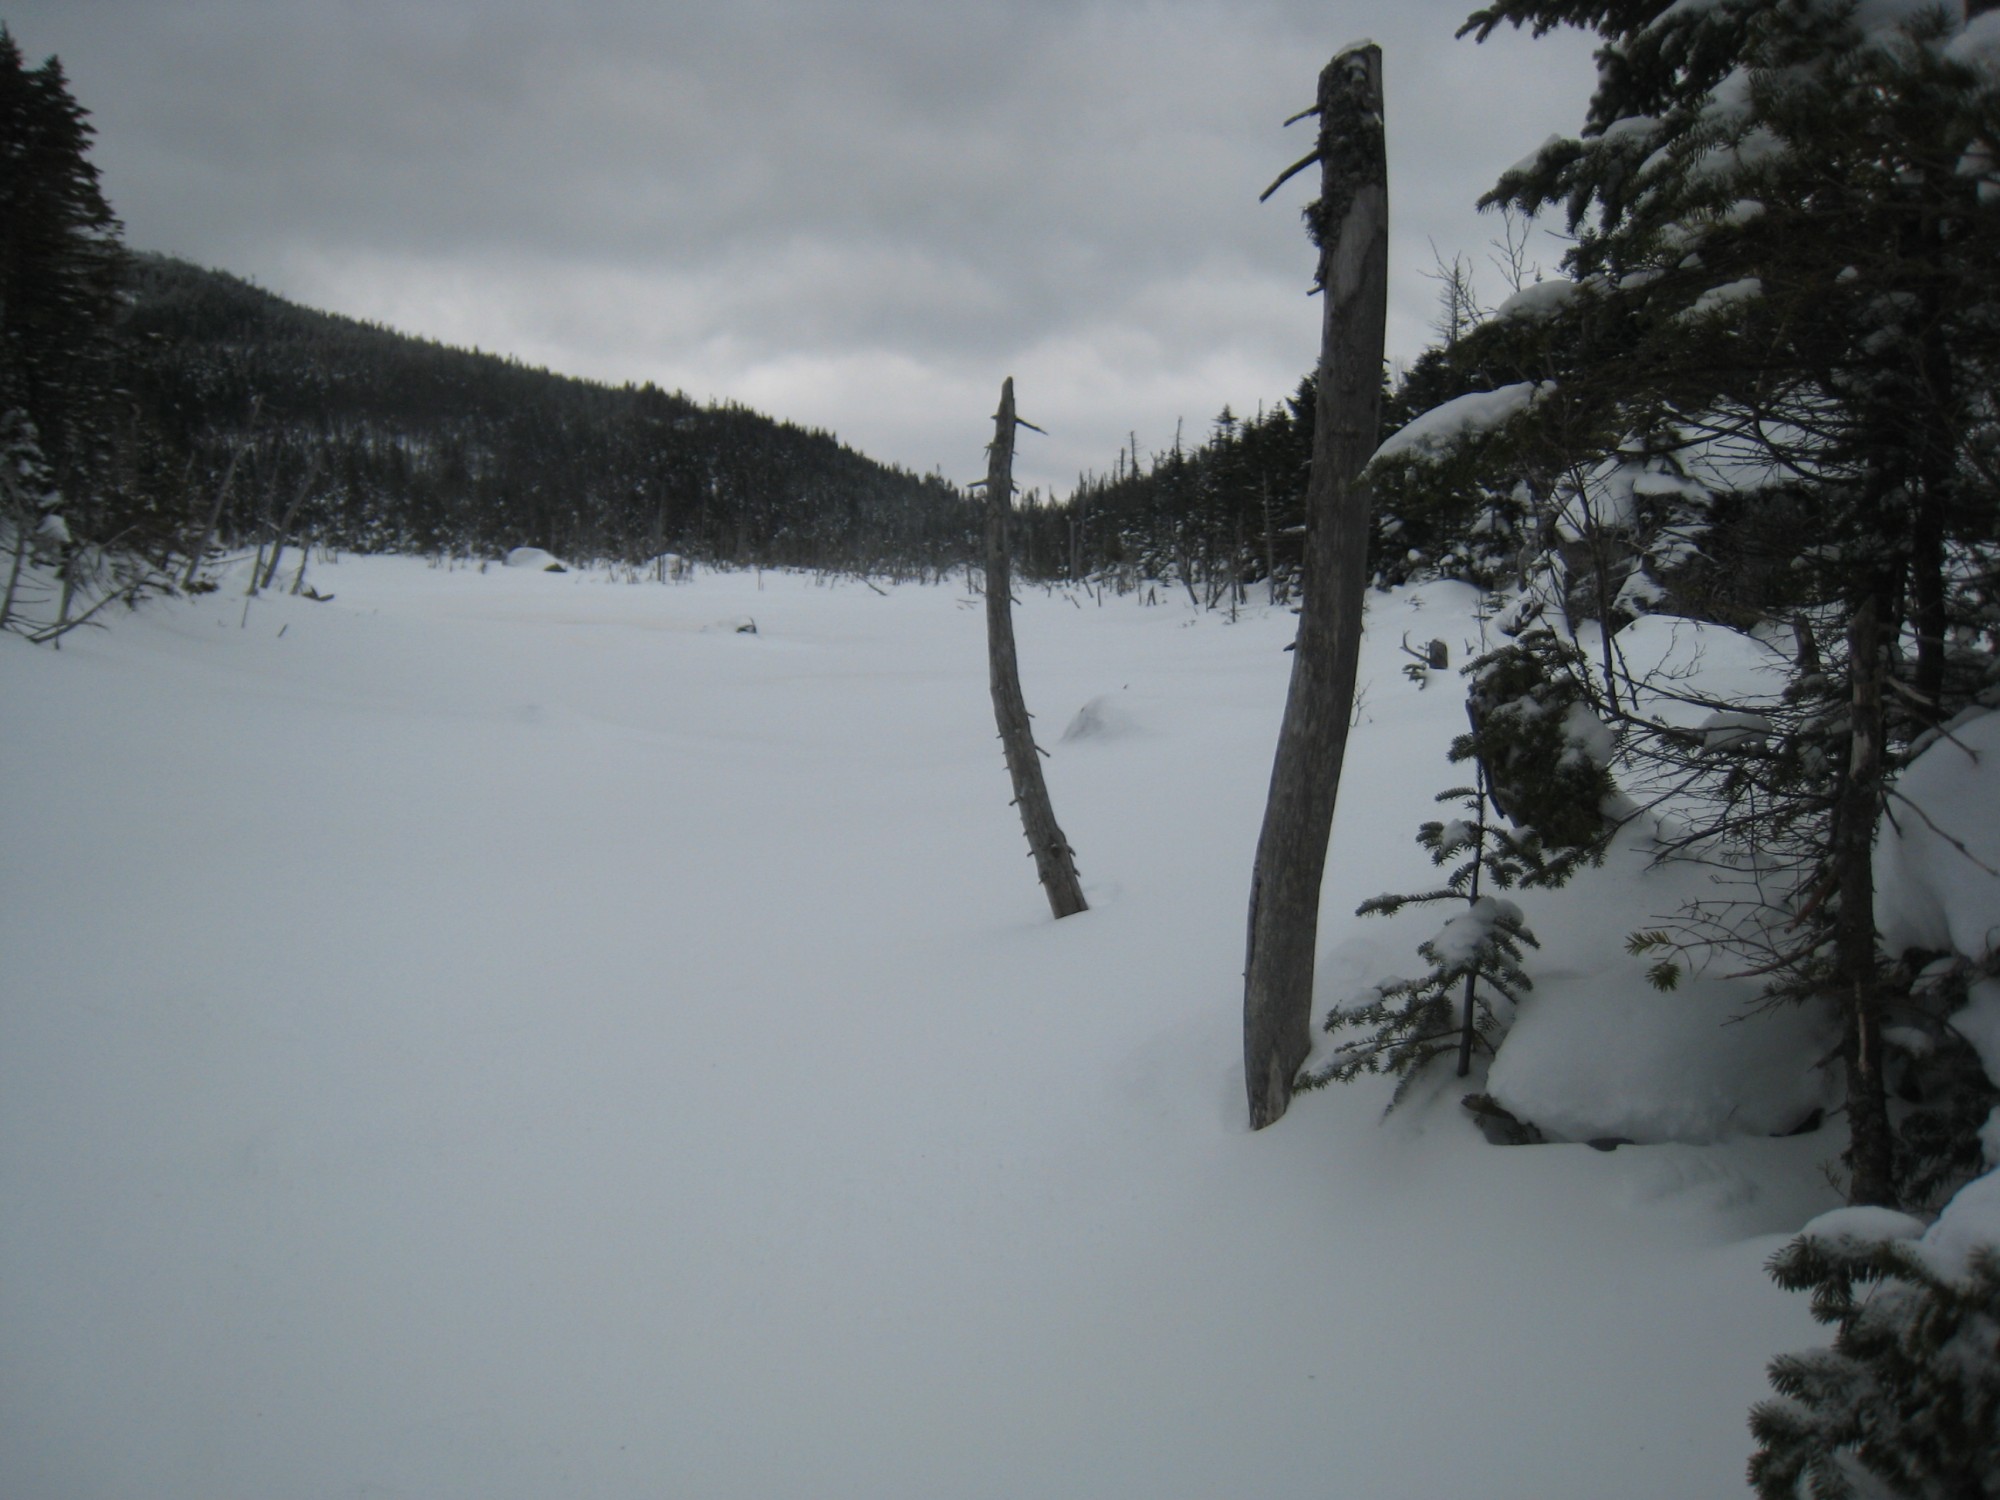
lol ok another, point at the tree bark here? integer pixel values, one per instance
(1055, 861)
(1870, 1151)
(1350, 224)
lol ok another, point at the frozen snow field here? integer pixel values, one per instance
(515, 1036)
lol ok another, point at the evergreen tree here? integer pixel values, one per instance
(61, 272)
(1539, 759)
(1906, 1402)
(1474, 973)
(1781, 313)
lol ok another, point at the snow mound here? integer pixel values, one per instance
(1676, 668)
(1105, 717)
(536, 560)
(1930, 893)
(1591, 1060)
(1969, 1224)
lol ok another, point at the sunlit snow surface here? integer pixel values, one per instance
(513, 1034)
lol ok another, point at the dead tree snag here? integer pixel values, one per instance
(1350, 225)
(1055, 861)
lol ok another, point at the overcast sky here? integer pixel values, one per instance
(852, 214)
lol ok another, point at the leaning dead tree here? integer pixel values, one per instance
(1055, 861)
(1350, 225)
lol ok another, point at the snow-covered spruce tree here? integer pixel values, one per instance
(1543, 750)
(1940, 1096)
(1474, 973)
(1906, 1402)
(1452, 496)
(1540, 759)
(1787, 228)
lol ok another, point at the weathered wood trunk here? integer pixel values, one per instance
(1055, 862)
(1870, 1138)
(1351, 226)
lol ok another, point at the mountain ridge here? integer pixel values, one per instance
(396, 442)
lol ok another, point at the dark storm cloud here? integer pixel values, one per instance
(857, 215)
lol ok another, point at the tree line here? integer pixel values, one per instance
(403, 444)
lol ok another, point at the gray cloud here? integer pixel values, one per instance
(854, 215)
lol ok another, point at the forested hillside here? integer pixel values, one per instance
(391, 443)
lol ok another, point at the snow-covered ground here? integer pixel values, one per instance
(508, 1034)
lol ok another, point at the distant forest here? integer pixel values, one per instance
(1217, 517)
(374, 440)
(361, 437)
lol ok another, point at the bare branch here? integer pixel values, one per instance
(1289, 173)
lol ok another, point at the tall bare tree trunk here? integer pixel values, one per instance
(1055, 861)
(1870, 1137)
(1350, 224)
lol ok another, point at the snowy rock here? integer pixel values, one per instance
(1589, 1060)
(1679, 668)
